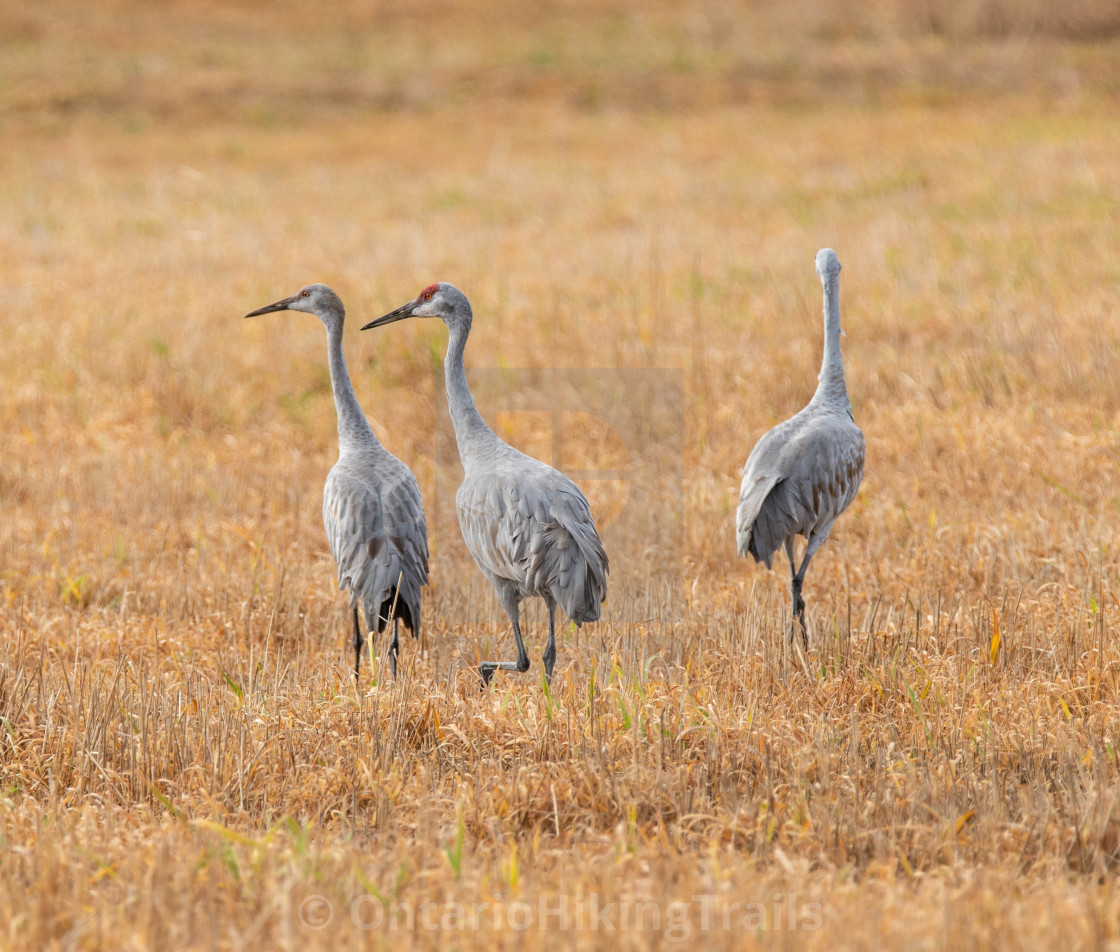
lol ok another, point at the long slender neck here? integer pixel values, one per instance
(471, 432)
(831, 387)
(353, 428)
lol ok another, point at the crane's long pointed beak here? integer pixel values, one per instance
(398, 315)
(278, 306)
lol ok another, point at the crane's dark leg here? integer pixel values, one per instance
(357, 643)
(799, 612)
(796, 578)
(549, 656)
(815, 542)
(512, 604)
(394, 647)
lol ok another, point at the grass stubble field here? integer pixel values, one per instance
(630, 196)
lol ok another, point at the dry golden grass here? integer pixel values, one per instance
(184, 759)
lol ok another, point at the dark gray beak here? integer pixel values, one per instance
(278, 306)
(398, 315)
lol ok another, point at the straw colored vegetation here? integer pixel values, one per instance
(185, 761)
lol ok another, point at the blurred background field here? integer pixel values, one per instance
(632, 196)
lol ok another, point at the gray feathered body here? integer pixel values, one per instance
(378, 535)
(529, 527)
(371, 504)
(804, 472)
(798, 479)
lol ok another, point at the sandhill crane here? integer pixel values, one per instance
(372, 509)
(528, 526)
(804, 472)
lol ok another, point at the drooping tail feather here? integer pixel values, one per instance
(763, 518)
(575, 566)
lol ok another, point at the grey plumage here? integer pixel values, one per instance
(805, 471)
(372, 510)
(528, 526)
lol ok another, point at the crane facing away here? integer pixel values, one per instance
(528, 526)
(804, 472)
(372, 509)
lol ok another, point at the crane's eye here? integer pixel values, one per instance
(428, 294)
(305, 294)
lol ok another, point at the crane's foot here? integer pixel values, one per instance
(487, 668)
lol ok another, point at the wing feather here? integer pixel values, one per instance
(377, 532)
(533, 527)
(797, 480)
